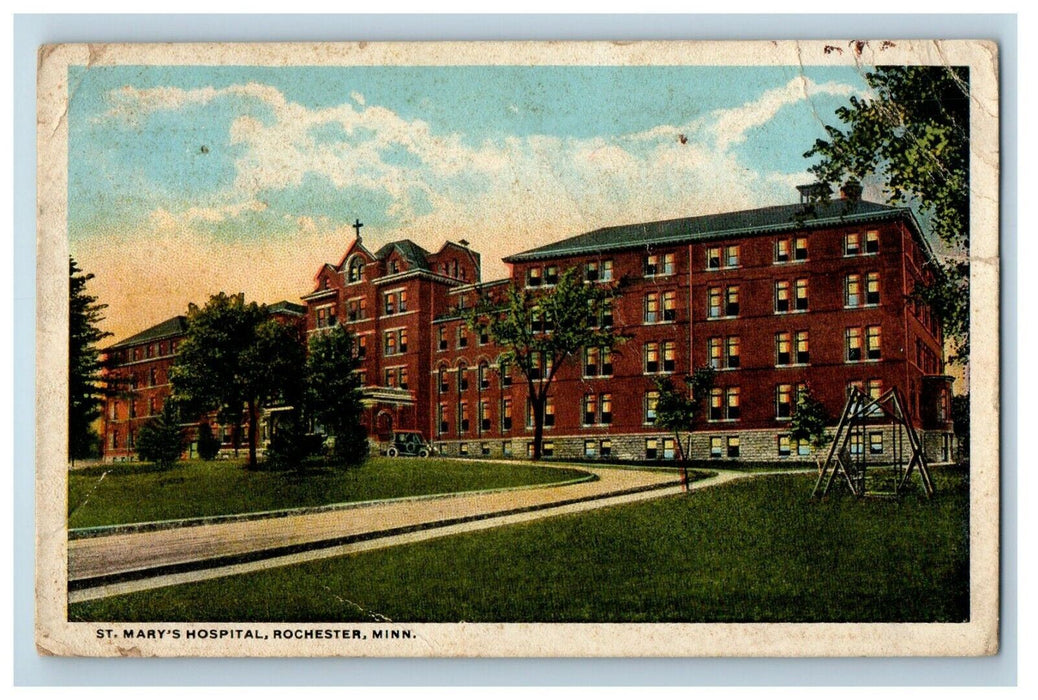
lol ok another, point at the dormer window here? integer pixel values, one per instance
(394, 267)
(353, 272)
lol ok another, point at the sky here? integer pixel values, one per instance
(188, 181)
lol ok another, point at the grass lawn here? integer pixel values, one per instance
(758, 550)
(116, 494)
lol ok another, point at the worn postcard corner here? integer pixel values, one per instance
(518, 349)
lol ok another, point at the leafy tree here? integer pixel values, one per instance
(540, 330)
(809, 420)
(677, 411)
(912, 133)
(84, 366)
(960, 414)
(161, 440)
(333, 392)
(235, 359)
(208, 444)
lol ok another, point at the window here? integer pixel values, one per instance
(589, 449)
(549, 411)
(506, 448)
(852, 243)
(590, 409)
(390, 343)
(731, 256)
(354, 270)
(390, 306)
(153, 376)
(484, 449)
(506, 374)
(484, 376)
(670, 310)
(591, 271)
(872, 242)
(444, 384)
(394, 266)
(783, 446)
(659, 264)
(484, 415)
(353, 312)
(856, 445)
(150, 351)
(731, 303)
(724, 404)
(598, 362)
(506, 414)
(669, 451)
(716, 404)
(803, 448)
(713, 309)
(799, 248)
(442, 336)
(733, 446)
(732, 352)
(782, 349)
(463, 416)
(463, 449)
(713, 258)
(547, 448)
(872, 342)
(325, 317)
(652, 357)
(782, 297)
(714, 352)
(669, 351)
(803, 353)
(801, 295)
(606, 401)
(403, 341)
(652, 307)
(463, 337)
(533, 277)
(782, 250)
(651, 449)
(852, 290)
(133, 408)
(598, 271)
(551, 275)
(872, 288)
(607, 270)
(732, 402)
(651, 399)
(852, 344)
(875, 443)
(113, 410)
(463, 378)
(443, 418)
(605, 448)
(389, 378)
(784, 401)
(362, 347)
(403, 377)
(716, 446)
(484, 336)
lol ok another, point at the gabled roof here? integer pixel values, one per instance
(167, 329)
(416, 255)
(737, 223)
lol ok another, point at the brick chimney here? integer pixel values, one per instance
(851, 191)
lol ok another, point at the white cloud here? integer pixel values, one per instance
(729, 126)
(357, 97)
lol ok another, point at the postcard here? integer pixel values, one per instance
(518, 349)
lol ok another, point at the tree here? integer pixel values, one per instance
(540, 330)
(84, 367)
(960, 414)
(333, 392)
(677, 411)
(161, 440)
(208, 444)
(809, 420)
(235, 359)
(912, 133)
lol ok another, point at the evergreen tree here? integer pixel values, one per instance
(809, 420)
(208, 444)
(161, 440)
(84, 367)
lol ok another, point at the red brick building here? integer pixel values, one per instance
(138, 377)
(775, 299)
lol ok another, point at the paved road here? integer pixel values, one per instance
(103, 566)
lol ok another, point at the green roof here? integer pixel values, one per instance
(702, 228)
(411, 251)
(168, 328)
(285, 307)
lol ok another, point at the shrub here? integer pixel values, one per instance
(208, 444)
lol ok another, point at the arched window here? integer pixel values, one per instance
(484, 375)
(354, 269)
(463, 379)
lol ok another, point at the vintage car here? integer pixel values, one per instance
(408, 443)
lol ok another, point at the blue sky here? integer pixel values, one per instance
(246, 178)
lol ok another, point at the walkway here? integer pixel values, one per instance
(122, 563)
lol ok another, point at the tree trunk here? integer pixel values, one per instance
(681, 458)
(252, 434)
(537, 405)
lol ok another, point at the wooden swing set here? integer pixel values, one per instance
(883, 473)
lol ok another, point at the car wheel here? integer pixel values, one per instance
(392, 452)
(423, 453)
